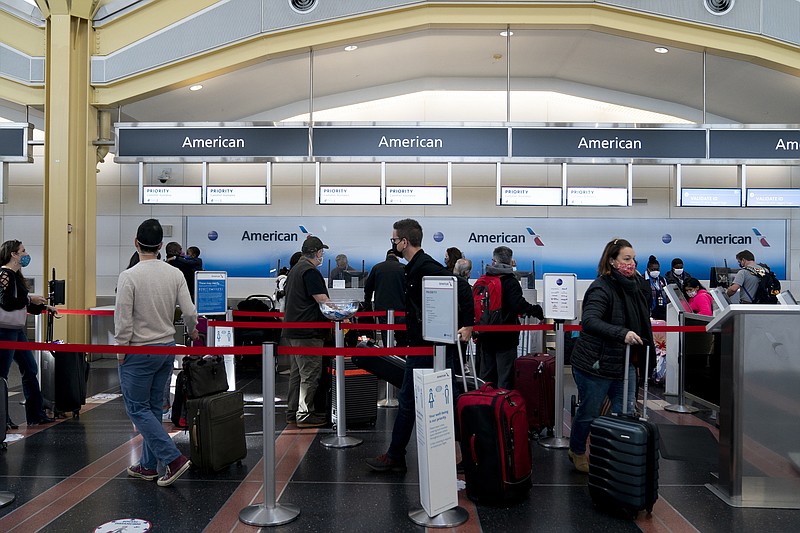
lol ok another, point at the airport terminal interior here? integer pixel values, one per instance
(549, 126)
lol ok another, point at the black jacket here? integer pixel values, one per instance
(600, 349)
(513, 305)
(387, 281)
(422, 265)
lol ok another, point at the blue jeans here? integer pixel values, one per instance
(142, 378)
(406, 412)
(34, 409)
(592, 391)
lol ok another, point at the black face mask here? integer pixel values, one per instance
(395, 251)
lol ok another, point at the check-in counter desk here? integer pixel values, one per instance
(701, 357)
(759, 419)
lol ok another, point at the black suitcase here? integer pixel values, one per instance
(389, 368)
(360, 394)
(64, 378)
(216, 430)
(3, 412)
(623, 460)
(178, 414)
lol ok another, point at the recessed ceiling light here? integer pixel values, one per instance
(660, 50)
(350, 48)
(195, 87)
(506, 33)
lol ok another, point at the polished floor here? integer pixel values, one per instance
(70, 477)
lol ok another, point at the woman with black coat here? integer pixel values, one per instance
(615, 314)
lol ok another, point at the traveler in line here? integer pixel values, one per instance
(16, 302)
(407, 243)
(451, 255)
(677, 275)
(194, 253)
(186, 264)
(699, 299)
(463, 268)
(144, 314)
(745, 279)
(498, 350)
(615, 314)
(305, 290)
(387, 282)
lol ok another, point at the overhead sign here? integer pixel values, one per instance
(386, 142)
(626, 143)
(754, 144)
(236, 195)
(711, 197)
(531, 196)
(172, 195)
(197, 142)
(14, 147)
(350, 195)
(597, 196)
(416, 196)
(773, 197)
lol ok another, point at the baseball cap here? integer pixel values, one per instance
(312, 244)
(150, 233)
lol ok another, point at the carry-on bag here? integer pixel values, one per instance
(495, 449)
(535, 378)
(623, 458)
(360, 394)
(389, 368)
(216, 430)
(64, 376)
(204, 375)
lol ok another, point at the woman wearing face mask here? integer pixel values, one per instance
(614, 315)
(451, 255)
(15, 302)
(653, 285)
(699, 298)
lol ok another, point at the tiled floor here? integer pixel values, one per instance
(70, 477)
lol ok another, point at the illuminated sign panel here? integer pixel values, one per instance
(530, 196)
(416, 196)
(172, 195)
(597, 196)
(773, 197)
(236, 195)
(350, 195)
(711, 198)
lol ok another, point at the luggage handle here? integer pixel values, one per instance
(472, 449)
(625, 380)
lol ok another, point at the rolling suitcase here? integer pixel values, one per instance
(64, 376)
(389, 368)
(495, 449)
(360, 394)
(3, 412)
(216, 430)
(623, 459)
(534, 378)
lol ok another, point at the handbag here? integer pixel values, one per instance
(205, 375)
(16, 319)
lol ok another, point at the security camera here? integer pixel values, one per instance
(165, 175)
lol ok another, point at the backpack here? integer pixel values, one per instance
(487, 295)
(768, 285)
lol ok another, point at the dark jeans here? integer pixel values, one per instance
(592, 392)
(34, 409)
(406, 413)
(497, 365)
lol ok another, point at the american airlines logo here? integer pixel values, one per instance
(730, 238)
(536, 238)
(761, 238)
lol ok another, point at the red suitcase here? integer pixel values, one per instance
(534, 379)
(495, 449)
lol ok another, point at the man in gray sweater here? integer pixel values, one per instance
(143, 316)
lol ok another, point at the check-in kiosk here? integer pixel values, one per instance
(759, 424)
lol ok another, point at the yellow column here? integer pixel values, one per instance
(70, 165)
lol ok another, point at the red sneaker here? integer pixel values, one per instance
(142, 473)
(174, 470)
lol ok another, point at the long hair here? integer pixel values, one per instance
(611, 251)
(453, 255)
(8, 248)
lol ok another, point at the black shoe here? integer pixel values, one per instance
(42, 420)
(383, 463)
(312, 421)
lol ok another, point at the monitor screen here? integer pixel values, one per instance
(721, 276)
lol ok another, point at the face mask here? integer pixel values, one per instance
(395, 251)
(626, 269)
(654, 274)
(691, 294)
(24, 261)
(678, 271)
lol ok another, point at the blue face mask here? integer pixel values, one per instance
(24, 261)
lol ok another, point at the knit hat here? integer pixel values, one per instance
(150, 233)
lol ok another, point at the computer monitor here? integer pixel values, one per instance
(526, 275)
(721, 276)
(354, 278)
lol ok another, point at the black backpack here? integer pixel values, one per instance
(768, 285)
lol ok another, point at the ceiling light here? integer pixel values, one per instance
(660, 50)
(506, 33)
(195, 87)
(350, 48)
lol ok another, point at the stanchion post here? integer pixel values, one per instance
(269, 513)
(341, 439)
(681, 406)
(391, 398)
(557, 441)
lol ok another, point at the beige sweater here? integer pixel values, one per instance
(146, 298)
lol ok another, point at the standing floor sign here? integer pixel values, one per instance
(559, 296)
(433, 397)
(439, 309)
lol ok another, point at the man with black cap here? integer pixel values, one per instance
(305, 290)
(143, 316)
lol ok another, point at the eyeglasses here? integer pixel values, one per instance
(395, 240)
